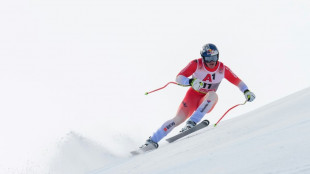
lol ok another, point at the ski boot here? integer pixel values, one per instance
(149, 145)
(189, 124)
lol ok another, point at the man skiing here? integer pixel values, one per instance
(206, 75)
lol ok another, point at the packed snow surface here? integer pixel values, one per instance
(272, 139)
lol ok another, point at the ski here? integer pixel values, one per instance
(199, 126)
(136, 152)
(142, 150)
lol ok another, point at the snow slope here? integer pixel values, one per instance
(272, 139)
(82, 66)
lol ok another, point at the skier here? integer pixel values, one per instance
(206, 75)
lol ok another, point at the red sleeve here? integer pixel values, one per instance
(231, 77)
(189, 69)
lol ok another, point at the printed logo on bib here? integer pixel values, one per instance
(209, 78)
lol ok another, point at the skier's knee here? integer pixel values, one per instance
(212, 96)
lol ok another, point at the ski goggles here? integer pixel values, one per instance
(209, 58)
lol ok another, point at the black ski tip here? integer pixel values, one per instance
(206, 122)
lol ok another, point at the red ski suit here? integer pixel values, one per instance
(197, 103)
(212, 78)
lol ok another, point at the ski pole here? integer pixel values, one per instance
(161, 87)
(228, 111)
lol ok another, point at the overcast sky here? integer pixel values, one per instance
(84, 65)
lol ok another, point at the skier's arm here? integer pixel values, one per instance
(232, 78)
(182, 77)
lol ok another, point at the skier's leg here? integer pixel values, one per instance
(206, 106)
(186, 108)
